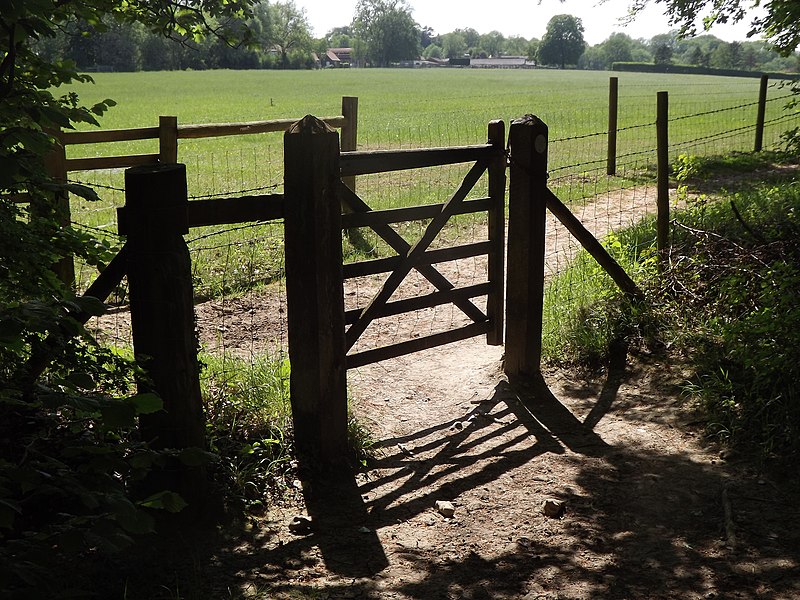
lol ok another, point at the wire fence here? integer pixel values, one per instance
(238, 270)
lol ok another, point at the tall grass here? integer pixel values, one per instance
(249, 423)
(726, 303)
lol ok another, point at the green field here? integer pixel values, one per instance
(423, 108)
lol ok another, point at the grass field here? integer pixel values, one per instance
(420, 108)
(413, 108)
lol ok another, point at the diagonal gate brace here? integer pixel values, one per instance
(411, 255)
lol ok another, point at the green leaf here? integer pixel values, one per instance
(146, 404)
(81, 380)
(118, 414)
(90, 305)
(84, 191)
(166, 500)
(131, 518)
(56, 117)
(10, 331)
(195, 457)
(8, 511)
(143, 460)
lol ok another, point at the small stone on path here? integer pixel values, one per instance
(301, 525)
(553, 508)
(445, 508)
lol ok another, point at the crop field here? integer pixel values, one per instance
(408, 109)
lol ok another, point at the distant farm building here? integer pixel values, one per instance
(502, 62)
(338, 58)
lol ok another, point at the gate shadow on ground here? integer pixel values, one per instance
(431, 471)
(643, 523)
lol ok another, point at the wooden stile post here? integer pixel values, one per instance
(613, 108)
(168, 140)
(526, 231)
(162, 316)
(497, 230)
(662, 186)
(314, 292)
(56, 165)
(349, 141)
(762, 113)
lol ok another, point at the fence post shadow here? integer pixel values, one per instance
(341, 531)
(534, 404)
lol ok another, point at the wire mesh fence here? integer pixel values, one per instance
(238, 270)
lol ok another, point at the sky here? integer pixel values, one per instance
(526, 18)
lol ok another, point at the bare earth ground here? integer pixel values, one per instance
(649, 510)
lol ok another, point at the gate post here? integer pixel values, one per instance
(662, 185)
(761, 113)
(613, 113)
(314, 292)
(162, 317)
(526, 229)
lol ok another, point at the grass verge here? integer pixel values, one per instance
(249, 427)
(726, 303)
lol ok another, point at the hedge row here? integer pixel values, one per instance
(638, 67)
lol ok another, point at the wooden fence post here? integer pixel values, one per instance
(613, 107)
(350, 132)
(762, 113)
(526, 230)
(168, 140)
(162, 316)
(56, 165)
(497, 229)
(314, 292)
(662, 186)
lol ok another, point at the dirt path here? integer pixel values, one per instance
(648, 510)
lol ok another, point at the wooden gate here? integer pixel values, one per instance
(416, 255)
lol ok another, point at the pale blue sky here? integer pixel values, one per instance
(527, 18)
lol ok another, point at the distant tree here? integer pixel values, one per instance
(432, 51)
(492, 43)
(533, 49)
(593, 58)
(339, 37)
(471, 37)
(563, 42)
(726, 56)
(287, 30)
(697, 57)
(515, 46)
(454, 45)
(662, 47)
(618, 48)
(780, 25)
(387, 31)
(662, 54)
(427, 36)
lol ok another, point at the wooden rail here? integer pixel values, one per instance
(181, 132)
(383, 161)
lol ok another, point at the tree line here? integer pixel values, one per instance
(382, 33)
